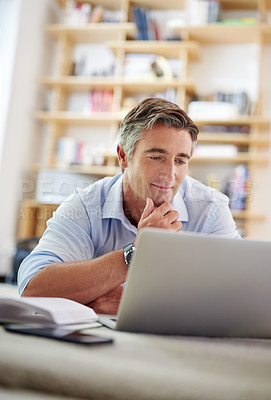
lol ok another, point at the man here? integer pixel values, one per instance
(85, 251)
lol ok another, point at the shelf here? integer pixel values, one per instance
(226, 34)
(233, 138)
(165, 48)
(239, 4)
(242, 120)
(248, 215)
(98, 170)
(98, 117)
(92, 32)
(79, 118)
(37, 204)
(240, 158)
(73, 83)
(115, 5)
(80, 82)
(162, 4)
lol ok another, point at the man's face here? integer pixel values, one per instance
(158, 166)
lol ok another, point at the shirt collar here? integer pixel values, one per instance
(113, 205)
(178, 204)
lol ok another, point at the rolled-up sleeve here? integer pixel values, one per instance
(68, 236)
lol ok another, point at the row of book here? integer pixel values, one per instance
(236, 185)
(225, 129)
(239, 99)
(153, 24)
(71, 151)
(80, 13)
(157, 24)
(202, 12)
(238, 188)
(83, 57)
(135, 64)
(102, 100)
(94, 101)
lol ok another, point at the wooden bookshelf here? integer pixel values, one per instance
(120, 38)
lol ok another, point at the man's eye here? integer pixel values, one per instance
(179, 161)
(155, 158)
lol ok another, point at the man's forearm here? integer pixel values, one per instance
(82, 281)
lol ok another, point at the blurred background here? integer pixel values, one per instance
(71, 70)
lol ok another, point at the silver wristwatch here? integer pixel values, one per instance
(128, 252)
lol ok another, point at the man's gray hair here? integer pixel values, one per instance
(146, 115)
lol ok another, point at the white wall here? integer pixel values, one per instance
(19, 130)
(8, 42)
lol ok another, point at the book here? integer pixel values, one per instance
(45, 310)
(96, 15)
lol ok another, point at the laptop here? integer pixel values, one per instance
(192, 284)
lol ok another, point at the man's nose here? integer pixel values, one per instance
(169, 170)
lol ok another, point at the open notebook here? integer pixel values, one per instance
(191, 284)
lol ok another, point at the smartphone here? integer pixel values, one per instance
(58, 333)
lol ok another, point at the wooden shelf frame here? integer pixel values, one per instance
(226, 34)
(79, 118)
(239, 158)
(119, 37)
(74, 83)
(99, 32)
(96, 170)
(160, 47)
(247, 215)
(253, 121)
(245, 139)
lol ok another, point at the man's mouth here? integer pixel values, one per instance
(163, 187)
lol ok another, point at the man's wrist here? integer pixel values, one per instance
(128, 252)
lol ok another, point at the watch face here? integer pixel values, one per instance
(128, 252)
(129, 256)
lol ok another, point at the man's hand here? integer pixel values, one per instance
(161, 217)
(108, 303)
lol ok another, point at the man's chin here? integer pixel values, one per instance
(158, 200)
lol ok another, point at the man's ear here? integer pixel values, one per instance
(123, 162)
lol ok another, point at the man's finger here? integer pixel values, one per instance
(149, 208)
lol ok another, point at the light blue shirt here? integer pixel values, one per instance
(91, 222)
